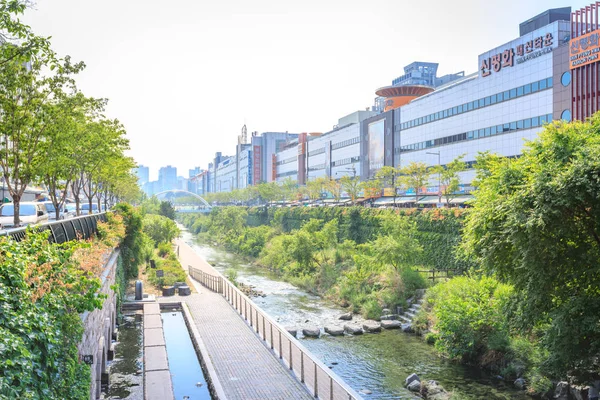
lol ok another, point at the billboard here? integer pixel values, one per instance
(376, 146)
(584, 49)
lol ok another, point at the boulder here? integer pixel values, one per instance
(414, 386)
(578, 392)
(562, 391)
(391, 324)
(346, 316)
(411, 378)
(292, 331)
(311, 332)
(389, 317)
(520, 383)
(353, 329)
(408, 328)
(365, 391)
(432, 390)
(334, 330)
(386, 311)
(372, 326)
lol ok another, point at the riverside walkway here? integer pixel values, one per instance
(245, 367)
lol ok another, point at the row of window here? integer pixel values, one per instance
(284, 174)
(345, 143)
(287, 161)
(346, 161)
(316, 167)
(527, 123)
(480, 103)
(316, 152)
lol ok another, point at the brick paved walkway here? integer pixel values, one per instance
(245, 367)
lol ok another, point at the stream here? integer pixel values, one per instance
(378, 363)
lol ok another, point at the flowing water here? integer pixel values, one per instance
(126, 369)
(186, 373)
(378, 363)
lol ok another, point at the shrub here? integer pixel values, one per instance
(160, 229)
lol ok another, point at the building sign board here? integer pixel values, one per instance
(256, 165)
(520, 53)
(584, 49)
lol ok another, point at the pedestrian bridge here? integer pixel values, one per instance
(204, 207)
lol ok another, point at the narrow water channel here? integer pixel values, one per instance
(378, 363)
(186, 374)
(126, 376)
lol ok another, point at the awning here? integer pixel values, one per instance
(429, 200)
(405, 199)
(461, 199)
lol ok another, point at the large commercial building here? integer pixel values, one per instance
(549, 72)
(519, 86)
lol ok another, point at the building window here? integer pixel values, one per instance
(566, 115)
(565, 79)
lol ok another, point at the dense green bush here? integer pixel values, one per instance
(42, 292)
(467, 319)
(136, 247)
(160, 229)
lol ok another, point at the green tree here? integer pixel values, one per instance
(351, 186)
(371, 188)
(449, 177)
(335, 188)
(389, 178)
(269, 192)
(415, 176)
(166, 209)
(160, 229)
(33, 80)
(536, 224)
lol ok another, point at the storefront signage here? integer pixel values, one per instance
(522, 52)
(584, 50)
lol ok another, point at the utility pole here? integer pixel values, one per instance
(439, 176)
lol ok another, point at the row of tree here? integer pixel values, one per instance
(413, 177)
(50, 132)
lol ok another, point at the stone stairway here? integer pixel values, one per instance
(409, 314)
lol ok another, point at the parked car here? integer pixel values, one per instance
(65, 213)
(85, 209)
(29, 213)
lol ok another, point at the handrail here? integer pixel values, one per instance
(305, 366)
(82, 227)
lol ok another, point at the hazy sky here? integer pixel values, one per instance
(184, 76)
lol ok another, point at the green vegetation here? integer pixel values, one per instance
(57, 135)
(160, 229)
(366, 258)
(532, 307)
(43, 289)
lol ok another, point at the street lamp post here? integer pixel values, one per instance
(439, 176)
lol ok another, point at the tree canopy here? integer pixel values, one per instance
(536, 224)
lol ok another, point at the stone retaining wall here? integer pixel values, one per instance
(99, 328)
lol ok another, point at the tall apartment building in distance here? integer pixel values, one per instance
(167, 178)
(143, 174)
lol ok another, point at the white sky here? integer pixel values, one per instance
(184, 76)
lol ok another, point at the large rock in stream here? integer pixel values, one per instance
(353, 329)
(346, 316)
(334, 330)
(372, 326)
(391, 324)
(311, 332)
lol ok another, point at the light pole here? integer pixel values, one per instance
(439, 176)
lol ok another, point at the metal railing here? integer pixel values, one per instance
(320, 381)
(82, 227)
